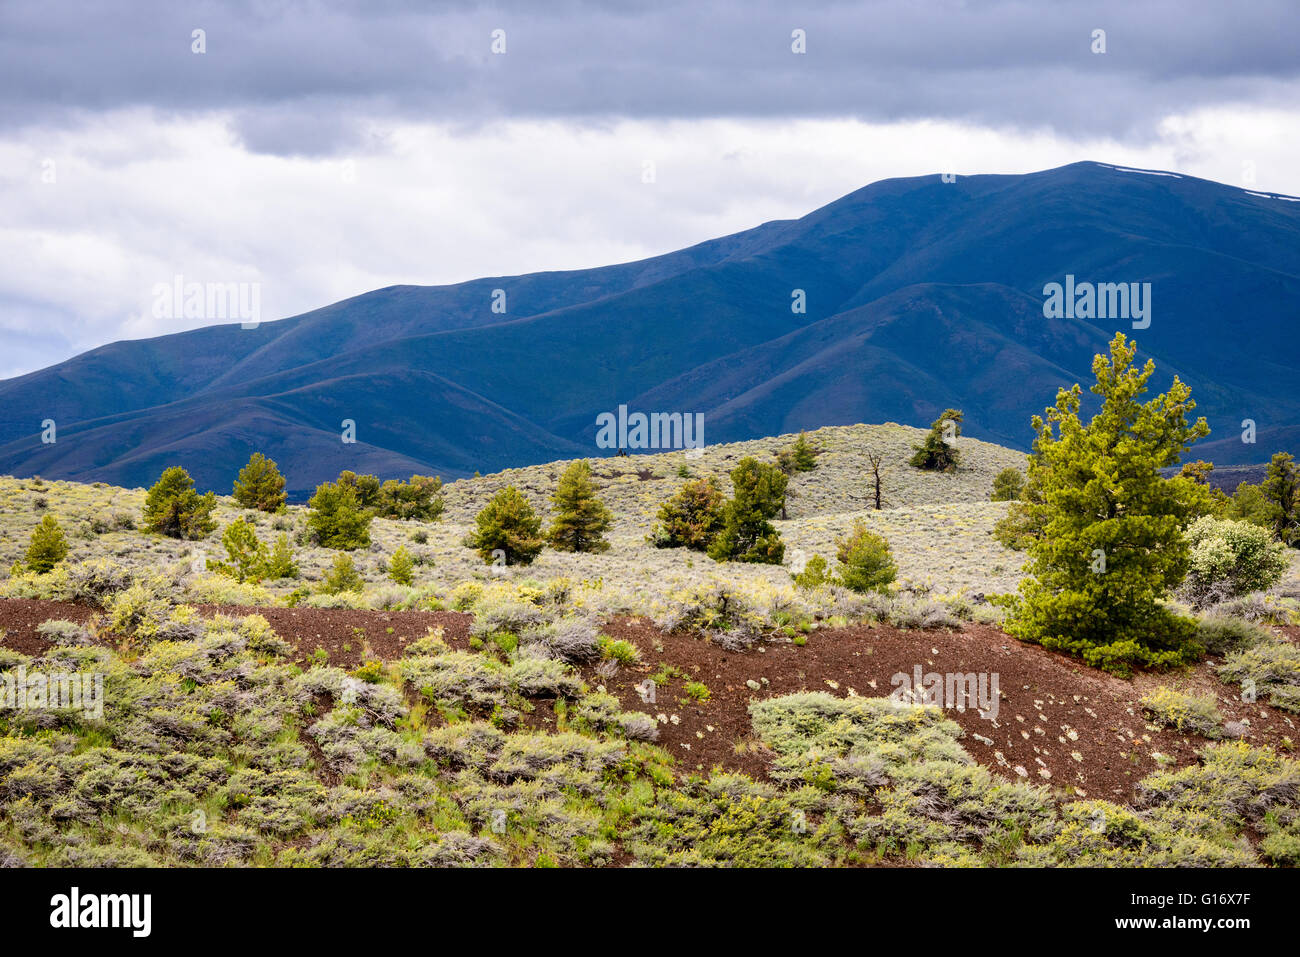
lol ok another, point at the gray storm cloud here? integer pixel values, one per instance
(326, 149)
(294, 74)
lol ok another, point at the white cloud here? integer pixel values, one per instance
(141, 196)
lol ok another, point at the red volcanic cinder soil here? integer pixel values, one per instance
(1084, 728)
(1058, 722)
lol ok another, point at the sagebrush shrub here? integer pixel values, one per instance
(1270, 667)
(95, 581)
(65, 632)
(1183, 711)
(1230, 559)
(1220, 634)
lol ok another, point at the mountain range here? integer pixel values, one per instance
(920, 293)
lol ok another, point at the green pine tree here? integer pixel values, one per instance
(337, 520)
(342, 576)
(247, 556)
(366, 487)
(173, 507)
(805, 456)
(280, 563)
(1281, 487)
(866, 563)
(812, 575)
(799, 457)
(401, 566)
(48, 546)
(1216, 500)
(747, 534)
(416, 500)
(690, 517)
(1008, 485)
(938, 452)
(1110, 542)
(1249, 504)
(1023, 523)
(509, 525)
(580, 518)
(260, 485)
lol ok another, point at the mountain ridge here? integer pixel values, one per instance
(921, 294)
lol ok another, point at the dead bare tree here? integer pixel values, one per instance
(876, 461)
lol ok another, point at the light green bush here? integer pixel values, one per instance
(1183, 711)
(342, 576)
(1230, 559)
(866, 563)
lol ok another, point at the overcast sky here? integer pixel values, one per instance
(325, 149)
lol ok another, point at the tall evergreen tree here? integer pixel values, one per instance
(173, 507)
(747, 534)
(366, 488)
(416, 500)
(1249, 504)
(337, 519)
(581, 518)
(260, 485)
(1111, 545)
(1281, 487)
(938, 451)
(507, 524)
(690, 517)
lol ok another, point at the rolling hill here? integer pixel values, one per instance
(920, 295)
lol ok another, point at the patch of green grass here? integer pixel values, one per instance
(697, 691)
(618, 649)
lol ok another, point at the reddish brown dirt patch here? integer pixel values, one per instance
(1084, 728)
(20, 616)
(348, 636)
(351, 637)
(1051, 708)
